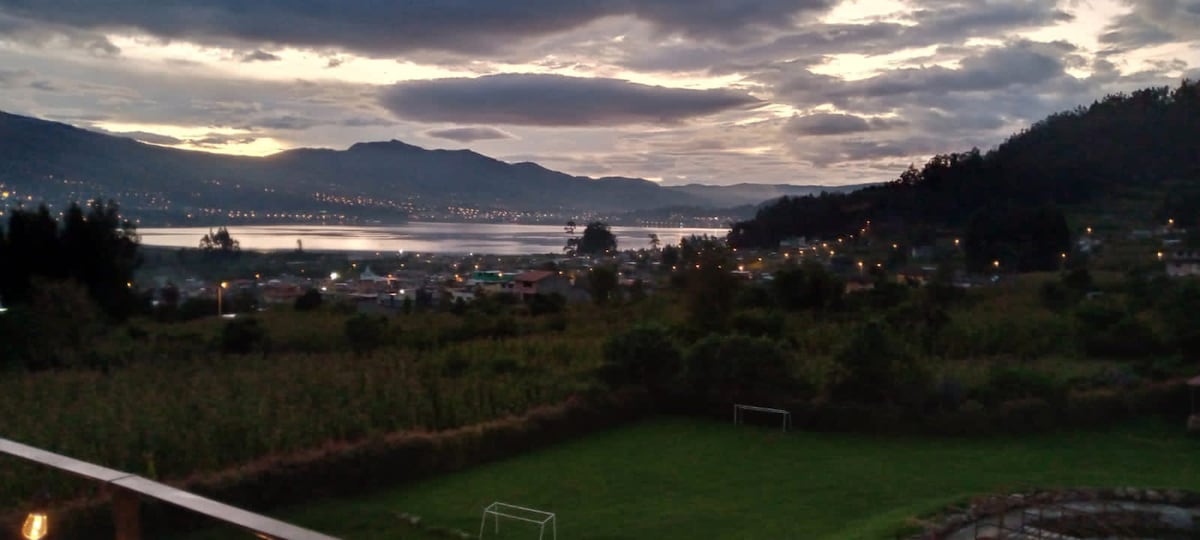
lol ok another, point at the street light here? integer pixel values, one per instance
(224, 285)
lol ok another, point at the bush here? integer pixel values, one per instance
(737, 367)
(757, 323)
(242, 336)
(1127, 338)
(879, 369)
(557, 323)
(197, 308)
(309, 301)
(1009, 383)
(644, 354)
(504, 327)
(809, 286)
(546, 304)
(754, 296)
(366, 332)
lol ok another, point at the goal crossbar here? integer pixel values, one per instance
(537, 517)
(739, 408)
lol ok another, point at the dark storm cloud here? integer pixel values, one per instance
(469, 134)
(285, 122)
(259, 55)
(363, 121)
(45, 35)
(554, 100)
(936, 24)
(1153, 22)
(144, 136)
(371, 26)
(827, 124)
(995, 68)
(1017, 64)
(213, 140)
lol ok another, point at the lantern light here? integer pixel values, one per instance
(36, 527)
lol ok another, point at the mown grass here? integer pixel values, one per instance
(671, 478)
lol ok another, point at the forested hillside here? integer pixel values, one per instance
(1147, 140)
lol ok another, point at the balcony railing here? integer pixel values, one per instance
(128, 489)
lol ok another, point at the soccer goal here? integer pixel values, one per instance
(498, 510)
(739, 411)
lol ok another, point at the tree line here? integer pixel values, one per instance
(91, 245)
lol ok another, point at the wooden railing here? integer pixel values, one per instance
(128, 490)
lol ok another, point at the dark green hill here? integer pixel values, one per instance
(1120, 148)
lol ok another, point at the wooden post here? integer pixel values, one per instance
(125, 514)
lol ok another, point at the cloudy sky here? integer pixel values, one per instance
(678, 91)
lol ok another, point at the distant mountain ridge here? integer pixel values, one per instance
(753, 194)
(386, 180)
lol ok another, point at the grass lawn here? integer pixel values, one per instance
(678, 478)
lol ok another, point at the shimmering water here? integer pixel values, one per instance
(494, 238)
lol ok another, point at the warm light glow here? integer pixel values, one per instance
(741, 268)
(333, 276)
(1089, 230)
(996, 264)
(1171, 221)
(224, 284)
(36, 527)
(956, 241)
(1160, 255)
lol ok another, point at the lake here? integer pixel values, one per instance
(492, 238)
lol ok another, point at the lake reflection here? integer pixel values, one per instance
(494, 238)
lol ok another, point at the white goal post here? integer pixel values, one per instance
(540, 518)
(739, 409)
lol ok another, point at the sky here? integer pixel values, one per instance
(677, 91)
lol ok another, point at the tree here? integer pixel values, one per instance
(644, 354)
(597, 238)
(242, 336)
(709, 286)
(97, 248)
(220, 241)
(602, 283)
(1019, 238)
(572, 246)
(654, 242)
(309, 301)
(807, 287)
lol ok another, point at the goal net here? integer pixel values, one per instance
(740, 410)
(539, 518)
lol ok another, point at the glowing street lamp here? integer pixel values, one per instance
(36, 527)
(224, 285)
(996, 265)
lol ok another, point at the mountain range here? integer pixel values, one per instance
(373, 181)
